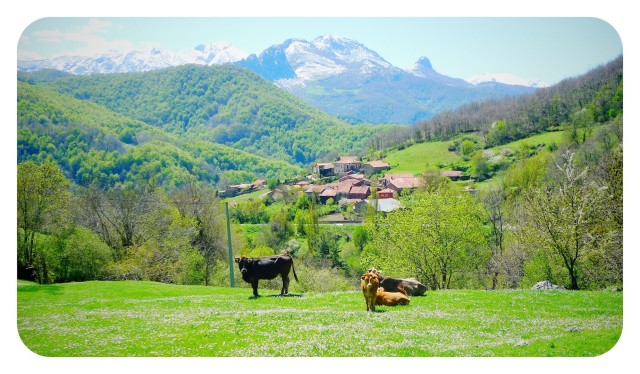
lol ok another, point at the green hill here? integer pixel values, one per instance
(224, 104)
(595, 96)
(445, 155)
(92, 143)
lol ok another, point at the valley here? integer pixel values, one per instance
(145, 162)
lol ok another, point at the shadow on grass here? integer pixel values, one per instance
(287, 295)
(53, 289)
(277, 295)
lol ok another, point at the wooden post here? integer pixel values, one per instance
(232, 281)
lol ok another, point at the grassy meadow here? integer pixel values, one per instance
(415, 158)
(105, 319)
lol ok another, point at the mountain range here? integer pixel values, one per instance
(337, 75)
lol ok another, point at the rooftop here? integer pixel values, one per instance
(451, 173)
(348, 160)
(378, 164)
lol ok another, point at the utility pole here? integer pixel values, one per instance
(226, 208)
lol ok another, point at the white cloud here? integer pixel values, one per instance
(49, 36)
(89, 39)
(28, 55)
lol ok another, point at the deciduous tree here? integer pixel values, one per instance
(42, 196)
(562, 215)
(438, 239)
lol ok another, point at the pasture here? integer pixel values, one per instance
(98, 319)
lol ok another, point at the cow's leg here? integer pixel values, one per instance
(254, 284)
(285, 286)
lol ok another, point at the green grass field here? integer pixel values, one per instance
(414, 159)
(545, 138)
(152, 319)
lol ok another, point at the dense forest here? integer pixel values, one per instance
(86, 211)
(222, 104)
(95, 145)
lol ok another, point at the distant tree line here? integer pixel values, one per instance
(580, 102)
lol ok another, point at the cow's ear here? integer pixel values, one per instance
(362, 277)
(237, 259)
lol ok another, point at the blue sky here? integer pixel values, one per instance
(543, 48)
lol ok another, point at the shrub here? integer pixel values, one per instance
(83, 256)
(313, 279)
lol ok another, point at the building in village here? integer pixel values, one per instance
(346, 164)
(375, 167)
(384, 181)
(358, 206)
(359, 192)
(314, 190)
(323, 169)
(326, 194)
(386, 193)
(385, 205)
(239, 189)
(400, 184)
(454, 175)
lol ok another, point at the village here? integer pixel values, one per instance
(352, 184)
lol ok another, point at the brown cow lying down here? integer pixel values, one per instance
(369, 282)
(410, 285)
(391, 298)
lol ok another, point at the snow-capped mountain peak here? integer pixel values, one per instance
(349, 52)
(297, 61)
(138, 60)
(423, 69)
(505, 78)
(218, 53)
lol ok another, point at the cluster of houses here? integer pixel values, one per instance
(349, 164)
(353, 188)
(350, 185)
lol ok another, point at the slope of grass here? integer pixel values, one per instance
(153, 319)
(545, 138)
(414, 159)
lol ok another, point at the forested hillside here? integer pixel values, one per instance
(95, 145)
(223, 104)
(594, 97)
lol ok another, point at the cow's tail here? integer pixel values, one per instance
(294, 271)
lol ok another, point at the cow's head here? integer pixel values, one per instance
(370, 280)
(243, 263)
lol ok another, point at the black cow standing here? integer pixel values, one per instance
(254, 269)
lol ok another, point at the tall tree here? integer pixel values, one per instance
(119, 213)
(42, 195)
(494, 208)
(562, 216)
(438, 239)
(199, 202)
